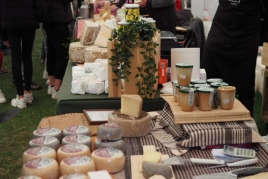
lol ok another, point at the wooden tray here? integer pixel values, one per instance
(238, 113)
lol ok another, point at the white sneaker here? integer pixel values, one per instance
(55, 94)
(45, 74)
(50, 89)
(20, 103)
(28, 97)
(47, 82)
(2, 97)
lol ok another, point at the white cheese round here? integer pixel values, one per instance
(109, 131)
(49, 131)
(48, 141)
(39, 152)
(78, 139)
(79, 129)
(74, 176)
(116, 144)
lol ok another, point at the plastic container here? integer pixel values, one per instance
(187, 99)
(174, 90)
(227, 96)
(216, 85)
(184, 73)
(205, 98)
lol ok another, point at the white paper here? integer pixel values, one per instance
(98, 115)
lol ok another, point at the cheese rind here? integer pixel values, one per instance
(69, 150)
(103, 36)
(150, 169)
(117, 144)
(109, 131)
(89, 33)
(131, 105)
(37, 152)
(77, 52)
(94, 52)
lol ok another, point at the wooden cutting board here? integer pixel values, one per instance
(238, 113)
(136, 162)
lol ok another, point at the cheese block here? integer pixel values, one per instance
(29, 177)
(39, 152)
(102, 174)
(132, 127)
(150, 169)
(69, 150)
(109, 131)
(48, 131)
(106, 5)
(152, 156)
(77, 139)
(76, 164)
(94, 52)
(48, 141)
(77, 52)
(116, 144)
(79, 129)
(89, 32)
(74, 176)
(112, 160)
(131, 105)
(45, 168)
(103, 36)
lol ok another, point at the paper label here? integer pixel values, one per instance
(107, 152)
(39, 150)
(74, 176)
(72, 148)
(225, 101)
(211, 98)
(182, 76)
(47, 131)
(174, 90)
(39, 163)
(44, 140)
(77, 138)
(77, 160)
(191, 98)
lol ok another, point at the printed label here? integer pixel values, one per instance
(44, 140)
(111, 125)
(74, 176)
(107, 152)
(71, 128)
(182, 76)
(174, 90)
(77, 160)
(211, 98)
(42, 131)
(225, 101)
(191, 98)
(48, 131)
(77, 138)
(39, 150)
(39, 163)
(72, 148)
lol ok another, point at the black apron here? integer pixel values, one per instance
(232, 44)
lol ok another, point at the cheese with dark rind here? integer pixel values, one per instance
(131, 105)
(77, 139)
(109, 131)
(48, 131)
(112, 160)
(116, 144)
(48, 141)
(150, 169)
(79, 129)
(38, 152)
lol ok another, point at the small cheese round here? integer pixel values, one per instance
(109, 131)
(76, 164)
(78, 139)
(39, 152)
(116, 144)
(69, 150)
(45, 168)
(48, 141)
(74, 176)
(29, 177)
(79, 129)
(49, 131)
(112, 160)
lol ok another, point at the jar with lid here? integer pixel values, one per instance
(132, 11)
(84, 10)
(187, 99)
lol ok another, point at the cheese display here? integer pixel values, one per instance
(116, 144)
(95, 87)
(103, 36)
(112, 160)
(74, 176)
(132, 127)
(150, 169)
(29, 177)
(152, 156)
(109, 131)
(94, 52)
(89, 32)
(77, 164)
(45, 168)
(39, 152)
(77, 52)
(131, 105)
(48, 141)
(102, 174)
(79, 129)
(262, 175)
(78, 139)
(48, 131)
(69, 150)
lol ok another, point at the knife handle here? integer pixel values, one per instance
(243, 162)
(206, 161)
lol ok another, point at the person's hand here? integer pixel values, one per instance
(142, 3)
(6, 43)
(113, 7)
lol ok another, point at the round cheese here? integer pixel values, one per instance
(76, 164)
(45, 168)
(39, 152)
(77, 139)
(112, 160)
(77, 52)
(48, 141)
(29, 177)
(74, 176)
(109, 131)
(79, 129)
(116, 144)
(69, 150)
(94, 52)
(49, 131)
(132, 127)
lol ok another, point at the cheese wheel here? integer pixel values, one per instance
(89, 32)
(79, 129)
(48, 131)
(76, 164)
(77, 139)
(116, 144)
(94, 52)
(69, 150)
(137, 127)
(103, 36)
(45, 168)
(102, 174)
(77, 52)
(109, 131)
(112, 160)
(29, 177)
(48, 141)
(74, 176)
(39, 152)
(131, 105)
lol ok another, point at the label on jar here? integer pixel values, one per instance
(211, 98)
(77, 160)
(225, 101)
(47, 131)
(39, 150)
(107, 152)
(174, 90)
(182, 76)
(191, 98)
(77, 138)
(39, 163)
(44, 140)
(72, 148)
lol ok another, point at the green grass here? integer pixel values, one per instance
(16, 133)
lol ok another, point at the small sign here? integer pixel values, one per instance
(97, 117)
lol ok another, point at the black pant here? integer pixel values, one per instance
(57, 49)
(21, 44)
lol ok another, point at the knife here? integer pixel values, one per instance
(233, 174)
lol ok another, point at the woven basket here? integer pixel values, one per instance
(66, 120)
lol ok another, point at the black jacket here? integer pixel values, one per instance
(59, 11)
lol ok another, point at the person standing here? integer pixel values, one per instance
(232, 46)
(59, 16)
(19, 21)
